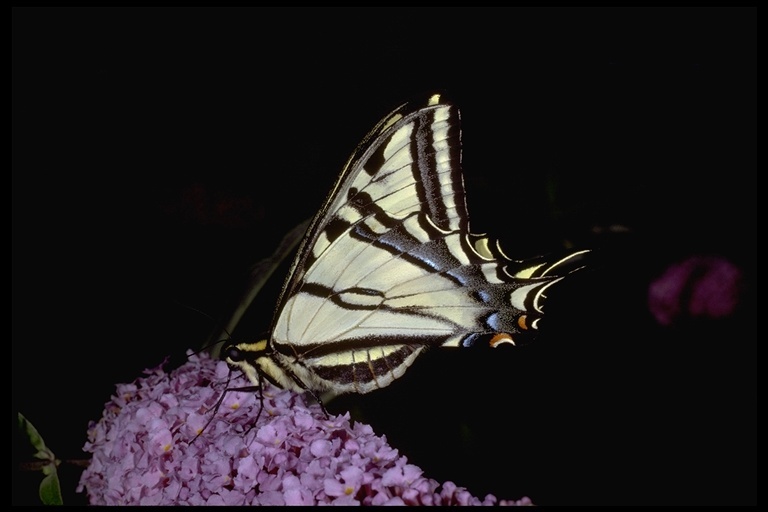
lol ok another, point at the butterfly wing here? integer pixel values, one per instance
(388, 267)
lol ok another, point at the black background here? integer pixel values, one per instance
(158, 152)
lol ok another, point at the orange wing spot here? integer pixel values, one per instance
(522, 322)
(500, 338)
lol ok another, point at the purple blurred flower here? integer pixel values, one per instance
(700, 286)
(146, 450)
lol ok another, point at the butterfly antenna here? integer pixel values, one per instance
(209, 345)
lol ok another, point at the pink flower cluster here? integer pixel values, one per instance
(152, 447)
(697, 287)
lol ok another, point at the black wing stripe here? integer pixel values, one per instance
(427, 175)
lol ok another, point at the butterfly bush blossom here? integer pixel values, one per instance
(700, 286)
(152, 447)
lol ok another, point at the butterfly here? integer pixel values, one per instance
(388, 268)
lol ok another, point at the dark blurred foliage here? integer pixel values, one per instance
(158, 152)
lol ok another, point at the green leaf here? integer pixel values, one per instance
(35, 439)
(50, 488)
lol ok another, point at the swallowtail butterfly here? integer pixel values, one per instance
(388, 268)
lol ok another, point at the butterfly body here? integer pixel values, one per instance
(389, 268)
